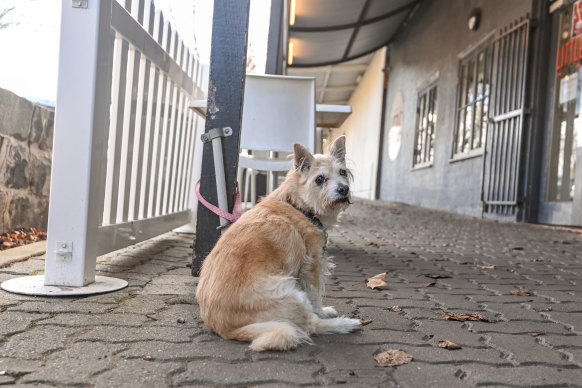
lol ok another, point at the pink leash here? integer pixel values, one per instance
(236, 211)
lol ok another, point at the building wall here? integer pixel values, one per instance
(427, 51)
(362, 126)
(26, 141)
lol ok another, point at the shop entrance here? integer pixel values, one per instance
(561, 194)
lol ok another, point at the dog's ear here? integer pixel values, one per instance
(303, 158)
(338, 149)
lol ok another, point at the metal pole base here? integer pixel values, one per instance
(34, 285)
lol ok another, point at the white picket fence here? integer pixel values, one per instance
(125, 138)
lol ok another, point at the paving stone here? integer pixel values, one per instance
(524, 349)
(141, 304)
(117, 334)
(421, 374)
(522, 376)
(5, 380)
(13, 322)
(56, 306)
(143, 374)
(76, 364)
(213, 372)
(35, 342)
(167, 289)
(75, 320)
(16, 367)
(164, 351)
(178, 315)
(29, 267)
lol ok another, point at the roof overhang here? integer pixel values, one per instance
(334, 40)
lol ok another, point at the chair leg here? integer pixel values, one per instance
(246, 191)
(254, 188)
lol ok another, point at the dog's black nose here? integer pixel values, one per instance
(343, 189)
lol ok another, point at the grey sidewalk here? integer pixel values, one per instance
(150, 334)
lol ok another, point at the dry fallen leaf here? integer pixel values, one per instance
(373, 244)
(449, 345)
(430, 284)
(20, 237)
(395, 309)
(466, 317)
(485, 266)
(521, 292)
(393, 357)
(365, 321)
(549, 308)
(436, 276)
(376, 281)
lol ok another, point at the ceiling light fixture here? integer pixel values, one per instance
(290, 54)
(292, 13)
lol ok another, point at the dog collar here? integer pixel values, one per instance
(309, 214)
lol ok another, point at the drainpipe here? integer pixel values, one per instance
(382, 123)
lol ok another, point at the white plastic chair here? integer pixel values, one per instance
(278, 111)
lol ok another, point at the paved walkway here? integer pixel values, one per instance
(150, 334)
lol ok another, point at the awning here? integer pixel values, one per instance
(333, 40)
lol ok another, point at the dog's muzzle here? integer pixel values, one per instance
(344, 194)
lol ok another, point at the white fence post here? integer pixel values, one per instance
(80, 143)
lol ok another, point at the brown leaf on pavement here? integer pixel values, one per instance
(393, 357)
(436, 276)
(446, 344)
(430, 284)
(376, 281)
(20, 237)
(465, 317)
(395, 309)
(485, 266)
(373, 244)
(365, 321)
(521, 292)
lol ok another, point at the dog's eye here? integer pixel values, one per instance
(319, 180)
(343, 172)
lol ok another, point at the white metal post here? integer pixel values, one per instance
(80, 143)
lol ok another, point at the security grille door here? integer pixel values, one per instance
(503, 164)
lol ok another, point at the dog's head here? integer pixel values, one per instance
(322, 181)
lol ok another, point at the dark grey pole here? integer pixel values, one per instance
(228, 56)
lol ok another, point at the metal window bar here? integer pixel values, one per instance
(425, 127)
(469, 127)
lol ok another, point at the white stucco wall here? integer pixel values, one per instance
(362, 128)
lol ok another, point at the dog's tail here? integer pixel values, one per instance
(271, 335)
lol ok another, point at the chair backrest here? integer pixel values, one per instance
(277, 112)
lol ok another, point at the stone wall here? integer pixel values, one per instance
(26, 141)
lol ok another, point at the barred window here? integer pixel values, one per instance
(472, 101)
(425, 127)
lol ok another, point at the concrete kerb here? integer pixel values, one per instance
(25, 252)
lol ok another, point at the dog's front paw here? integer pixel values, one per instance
(349, 324)
(329, 312)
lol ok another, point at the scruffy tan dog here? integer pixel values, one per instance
(264, 280)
